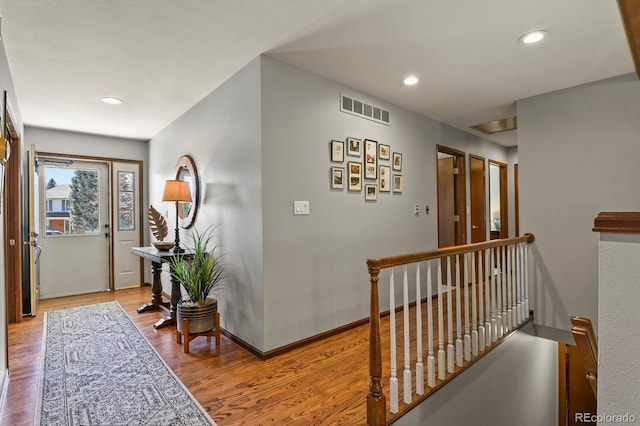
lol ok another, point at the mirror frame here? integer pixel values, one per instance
(186, 162)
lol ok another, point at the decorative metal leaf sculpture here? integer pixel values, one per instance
(157, 223)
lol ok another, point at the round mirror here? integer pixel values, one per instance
(186, 171)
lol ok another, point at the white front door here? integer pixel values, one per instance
(75, 227)
(34, 231)
(126, 227)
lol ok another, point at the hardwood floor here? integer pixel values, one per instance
(322, 383)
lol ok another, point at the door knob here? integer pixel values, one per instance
(475, 227)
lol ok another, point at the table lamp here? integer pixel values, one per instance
(177, 191)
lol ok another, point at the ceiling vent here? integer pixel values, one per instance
(353, 106)
(497, 126)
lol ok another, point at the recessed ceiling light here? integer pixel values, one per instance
(532, 37)
(411, 80)
(111, 100)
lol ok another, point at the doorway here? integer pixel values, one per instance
(452, 224)
(498, 200)
(88, 220)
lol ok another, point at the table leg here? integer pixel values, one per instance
(156, 290)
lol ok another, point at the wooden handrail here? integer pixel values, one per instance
(388, 262)
(376, 401)
(587, 345)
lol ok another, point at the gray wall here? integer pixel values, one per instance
(314, 266)
(515, 384)
(261, 141)
(222, 134)
(578, 150)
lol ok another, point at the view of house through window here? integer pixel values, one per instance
(71, 200)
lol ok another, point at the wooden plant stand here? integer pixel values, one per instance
(190, 336)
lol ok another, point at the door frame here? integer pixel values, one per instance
(460, 191)
(110, 161)
(504, 197)
(12, 225)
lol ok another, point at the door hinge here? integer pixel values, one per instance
(456, 171)
(456, 218)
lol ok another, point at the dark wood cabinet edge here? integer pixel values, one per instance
(627, 222)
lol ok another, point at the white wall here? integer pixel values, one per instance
(515, 384)
(578, 152)
(618, 333)
(222, 134)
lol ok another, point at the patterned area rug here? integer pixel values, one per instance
(97, 369)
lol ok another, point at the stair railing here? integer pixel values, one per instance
(491, 289)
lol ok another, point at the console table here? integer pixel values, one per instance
(157, 258)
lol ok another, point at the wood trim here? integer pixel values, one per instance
(387, 262)
(563, 370)
(585, 339)
(630, 13)
(12, 224)
(627, 222)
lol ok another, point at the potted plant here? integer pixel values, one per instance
(200, 272)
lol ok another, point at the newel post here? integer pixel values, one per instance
(376, 403)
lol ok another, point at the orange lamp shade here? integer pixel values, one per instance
(177, 190)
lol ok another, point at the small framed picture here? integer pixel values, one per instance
(371, 192)
(385, 179)
(397, 183)
(337, 151)
(370, 159)
(337, 178)
(397, 161)
(355, 176)
(353, 147)
(384, 152)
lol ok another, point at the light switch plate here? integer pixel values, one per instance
(300, 208)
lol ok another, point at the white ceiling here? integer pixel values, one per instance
(163, 56)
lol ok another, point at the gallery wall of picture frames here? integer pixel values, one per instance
(359, 164)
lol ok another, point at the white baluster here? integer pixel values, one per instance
(431, 360)
(482, 330)
(498, 278)
(487, 299)
(419, 364)
(467, 325)
(450, 349)
(393, 381)
(514, 286)
(504, 291)
(509, 280)
(407, 339)
(441, 355)
(474, 307)
(518, 262)
(494, 296)
(460, 287)
(525, 257)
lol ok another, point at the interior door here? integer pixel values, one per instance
(446, 203)
(75, 224)
(126, 228)
(33, 241)
(477, 193)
